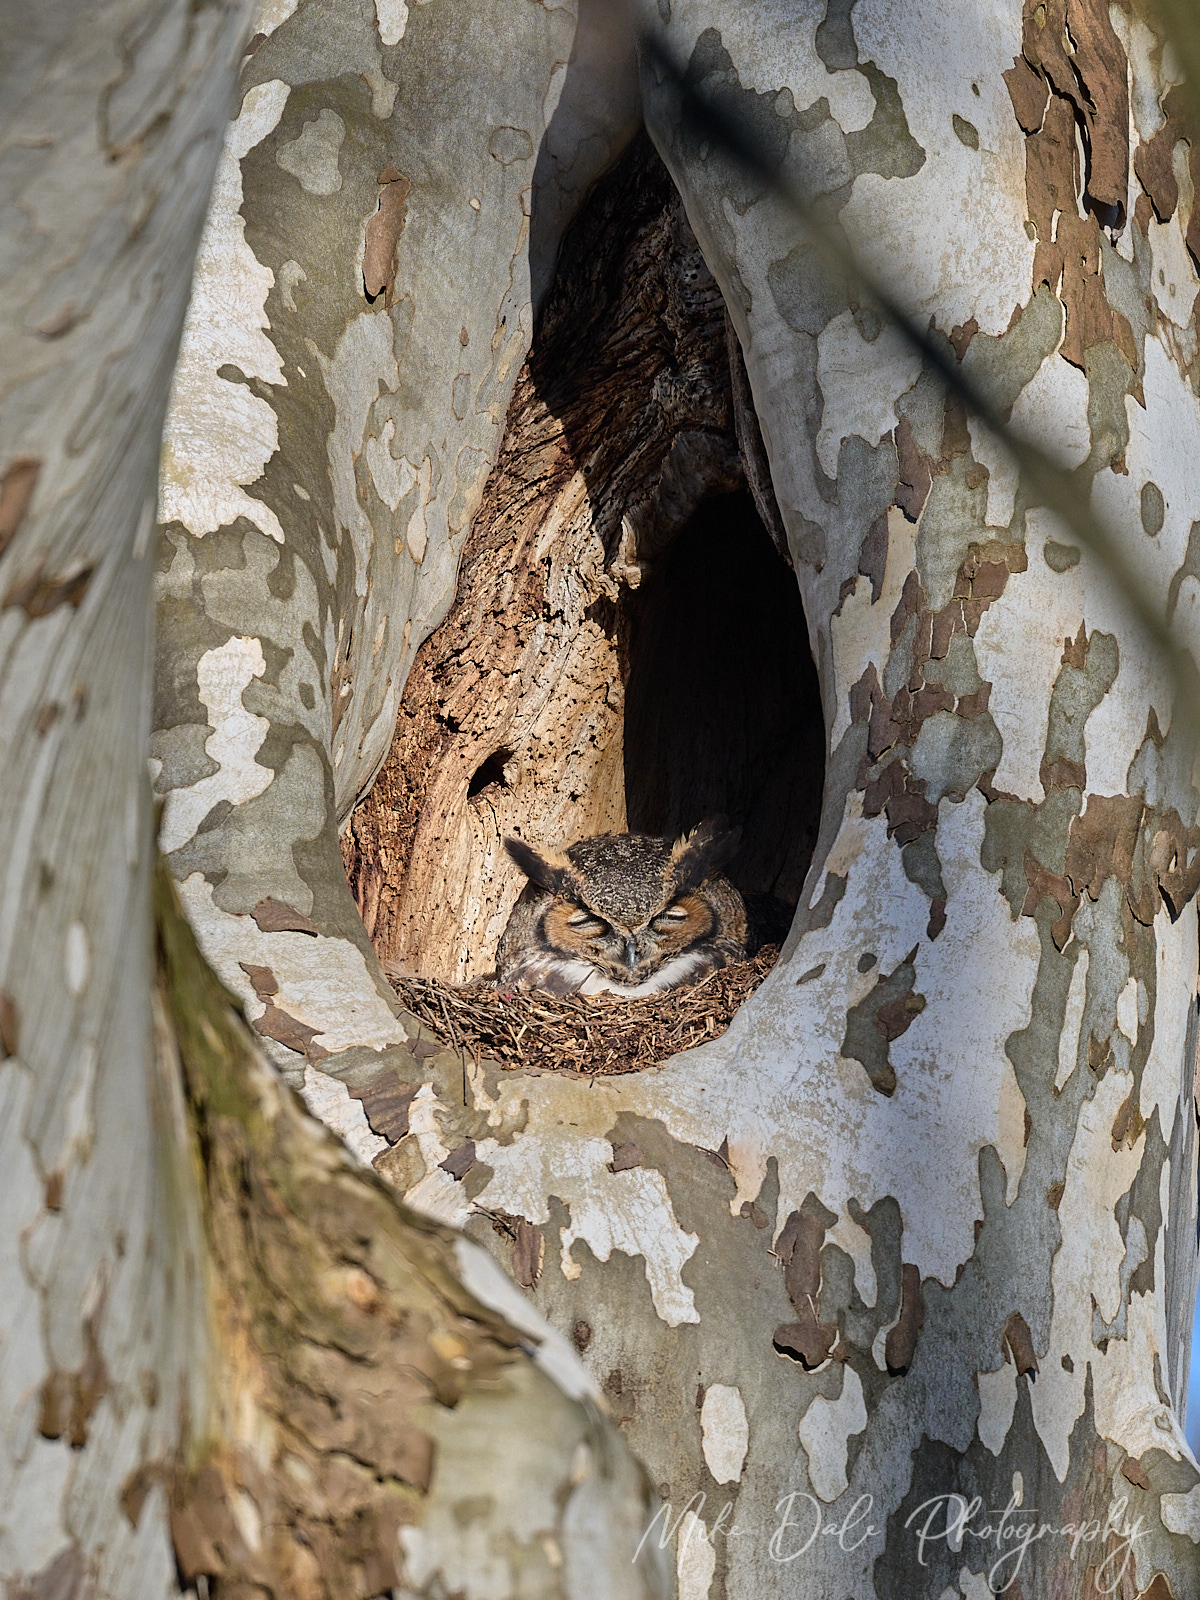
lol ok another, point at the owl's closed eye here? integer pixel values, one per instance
(624, 913)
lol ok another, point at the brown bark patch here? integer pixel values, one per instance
(1029, 93)
(1154, 165)
(799, 1249)
(1178, 108)
(16, 491)
(1017, 1344)
(69, 1399)
(1159, 1588)
(387, 1105)
(39, 592)
(1128, 1124)
(1056, 886)
(901, 1343)
(289, 1031)
(10, 1026)
(915, 471)
(276, 916)
(459, 1162)
(1073, 45)
(626, 1156)
(383, 234)
(1072, 73)
(528, 1254)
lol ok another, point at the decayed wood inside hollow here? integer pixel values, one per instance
(627, 646)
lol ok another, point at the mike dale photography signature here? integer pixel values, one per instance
(1002, 1538)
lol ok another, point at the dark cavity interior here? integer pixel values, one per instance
(722, 705)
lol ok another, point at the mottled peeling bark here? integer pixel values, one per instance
(112, 116)
(922, 1223)
(229, 1362)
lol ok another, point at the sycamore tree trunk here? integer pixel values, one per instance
(891, 1285)
(230, 1362)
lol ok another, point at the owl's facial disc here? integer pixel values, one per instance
(626, 954)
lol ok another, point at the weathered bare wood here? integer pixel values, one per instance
(367, 1383)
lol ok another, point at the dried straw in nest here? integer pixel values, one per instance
(594, 1036)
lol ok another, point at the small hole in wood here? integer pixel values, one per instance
(488, 773)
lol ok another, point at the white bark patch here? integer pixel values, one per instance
(1086, 1271)
(1003, 473)
(1181, 1513)
(825, 1431)
(222, 675)
(1175, 946)
(392, 478)
(773, 43)
(950, 240)
(1068, 1039)
(627, 1211)
(860, 632)
(695, 1558)
(997, 1403)
(725, 1433)
(78, 1128)
(323, 982)
(1019, 642)
(973, 1043)
(1147, 83)
(312, 157)
(1051, 412)
(219, 436)
(1170, 413)
(1172, 277)
(362, 360)
(417, 532)
(330, 1100)
(291, 275)
(392, 17)
(437, 1194)
(860, 383)
(271, 14)
(485, 1280)
(856, 1242)
(1127, 1011)
(77, 958)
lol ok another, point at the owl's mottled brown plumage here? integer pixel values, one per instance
(623, 913)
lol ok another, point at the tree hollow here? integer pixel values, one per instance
(627, 647)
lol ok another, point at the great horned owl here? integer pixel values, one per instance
(623, 913)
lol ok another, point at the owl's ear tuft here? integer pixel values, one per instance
(550, 869)
(697, 855)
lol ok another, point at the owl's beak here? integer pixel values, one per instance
(630, 954)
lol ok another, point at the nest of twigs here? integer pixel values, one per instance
(594, 1036)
